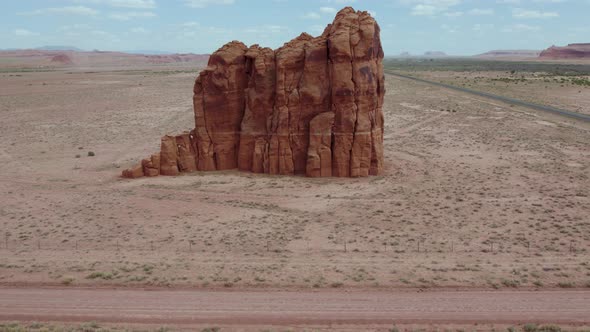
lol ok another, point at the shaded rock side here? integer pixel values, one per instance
(313, 107)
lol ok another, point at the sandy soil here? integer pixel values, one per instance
(249, 310)
(479, 194)
(540, 88)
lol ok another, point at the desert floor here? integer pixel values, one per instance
(476, 194)
(570, 93)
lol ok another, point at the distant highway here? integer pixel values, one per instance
(554, 110)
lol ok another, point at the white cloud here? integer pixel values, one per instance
(126, 16)
(448, 28)
(327, 10)
(424, 10)
(521, 27)
(266, 29)
(137, 4)
(526, 14)
(139, 30)
(311, 16)
(68, 10)
(480, 12)
(25, 33)
(73, 27)
(429, 7)
(205, 3)
(482, 27)
(453, 14)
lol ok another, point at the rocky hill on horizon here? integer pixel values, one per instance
(509, 54)
(52, 57)
(571, 51)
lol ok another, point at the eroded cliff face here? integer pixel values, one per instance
(313, 107)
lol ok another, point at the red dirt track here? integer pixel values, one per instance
(243, 307)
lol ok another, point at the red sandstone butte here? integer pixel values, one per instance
(313, 107)
(571, 51)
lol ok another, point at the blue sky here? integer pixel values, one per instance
(459, 27)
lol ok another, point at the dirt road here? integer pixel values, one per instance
(241, 307)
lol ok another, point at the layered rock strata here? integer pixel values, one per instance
(313, 107)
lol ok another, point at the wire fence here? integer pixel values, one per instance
(409, 246)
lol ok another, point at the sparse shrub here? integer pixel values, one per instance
(565, 284)
(100, 275)
(529, 328)
(91, 154)
(549, 328)
(210, 329)
(510, 283)
(67, 281)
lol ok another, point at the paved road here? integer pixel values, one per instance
(175, 307)
(574, 115)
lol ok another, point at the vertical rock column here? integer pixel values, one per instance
(259, 105)
(219, 108)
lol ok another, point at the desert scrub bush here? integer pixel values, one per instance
(67, 281)
(210, 329)
(510, 283)
(565, 285)
(100, 275)
(91, 154)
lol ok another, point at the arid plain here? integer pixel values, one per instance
(476, 194)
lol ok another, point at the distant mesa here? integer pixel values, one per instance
(428, 54)
(571, 51)
(58, 48)
(62, 59)
(435, 54)
(510, 54)
(311, 107)
(61, 56)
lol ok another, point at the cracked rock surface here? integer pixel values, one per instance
(313, 107)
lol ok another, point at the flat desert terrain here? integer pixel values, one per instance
(476, 194)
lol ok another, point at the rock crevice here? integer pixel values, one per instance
(313, 107)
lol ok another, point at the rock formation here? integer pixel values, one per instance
(313, 106)
(62, 59)
(571, 51)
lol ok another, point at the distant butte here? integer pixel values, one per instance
(313, 107)
(571, 51)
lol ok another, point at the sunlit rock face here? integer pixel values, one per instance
(313, 107)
